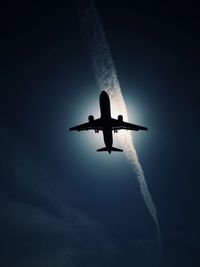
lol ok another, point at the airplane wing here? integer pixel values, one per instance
(91, 125)
(118, 125)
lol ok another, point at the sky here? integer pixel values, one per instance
(64, 204)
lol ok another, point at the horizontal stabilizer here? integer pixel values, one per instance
(112, 149)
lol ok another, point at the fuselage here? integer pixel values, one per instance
(104, 102)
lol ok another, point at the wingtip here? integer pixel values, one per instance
(143, 129)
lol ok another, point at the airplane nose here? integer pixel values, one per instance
(103, 93)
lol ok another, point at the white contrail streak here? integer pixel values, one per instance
(107, 80)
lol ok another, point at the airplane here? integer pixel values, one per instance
(107, 124)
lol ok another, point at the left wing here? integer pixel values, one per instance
(91, 125)
(118, 125)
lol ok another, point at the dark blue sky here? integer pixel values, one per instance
(63, 204)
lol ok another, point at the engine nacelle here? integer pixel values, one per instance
(90, 118)
(120, 118)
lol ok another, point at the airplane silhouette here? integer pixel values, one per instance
(107, 124)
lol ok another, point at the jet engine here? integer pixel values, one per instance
(120, 118)
(90, 118)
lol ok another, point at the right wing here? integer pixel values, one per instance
(91, 125)
(118, 125)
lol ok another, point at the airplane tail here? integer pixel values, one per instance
(112, 149)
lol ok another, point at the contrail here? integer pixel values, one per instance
(107, 80)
